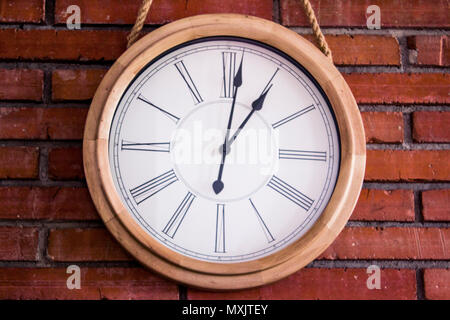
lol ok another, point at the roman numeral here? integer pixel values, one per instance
(229, 70)
(153, 186)
(290, 193)
(166, 113)
(177, 218)
(189, 82)
(292, 116)
(302, 155)
(270, 81)
(262, 224)
(154, 147)
(220, 229)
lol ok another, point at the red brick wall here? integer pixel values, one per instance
(399, 76)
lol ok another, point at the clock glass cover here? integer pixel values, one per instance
(224, 150)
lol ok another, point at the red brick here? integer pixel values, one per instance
(22, 10)
(391, 88)
(19, 162)
(390, 243)
(429, 50)
(75, 84)
(42, 123)
(344, 13)
(83, 45)
(383, 205)
(21, 84)
(95, 283)
(431, 126)
(436, 205)
(437, 284)
(362, 49)
(124, 12)
(84, 245)
(383, 127)
(80, 45)
(52, 203)
(415, 165)
(18, 243)
(325, 284)
(65, 163)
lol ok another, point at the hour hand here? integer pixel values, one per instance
(258, 103)
(256, 106)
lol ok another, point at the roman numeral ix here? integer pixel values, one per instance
(302, 155)
(189, 82)
(177, 218)
(290, 193)
(153, 186)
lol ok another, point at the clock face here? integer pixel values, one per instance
(224, 150)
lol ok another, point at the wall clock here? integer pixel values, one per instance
(224, 151)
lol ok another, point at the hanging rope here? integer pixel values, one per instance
(321, 42)
(142, 15)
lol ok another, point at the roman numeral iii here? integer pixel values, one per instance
(153, 186)
(302, 155)
(189, 82)
(290, 193)
(154, 147)
(177, 218)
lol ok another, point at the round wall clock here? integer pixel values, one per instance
(224, 151)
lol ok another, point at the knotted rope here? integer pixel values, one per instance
(321, 42)
(142, 15)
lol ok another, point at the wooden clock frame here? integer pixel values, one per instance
(211, 275)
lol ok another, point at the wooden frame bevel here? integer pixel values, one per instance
(208, 274)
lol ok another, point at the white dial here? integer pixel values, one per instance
(224, 150)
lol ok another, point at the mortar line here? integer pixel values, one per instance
(420, 284)
(98, 224)
(418, 214)
(341, 30)
(49, 13)
(382, 263)
(322, 264)
(276, 11)
(182, 292)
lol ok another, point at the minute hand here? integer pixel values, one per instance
(237, 82)
(256, 106)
